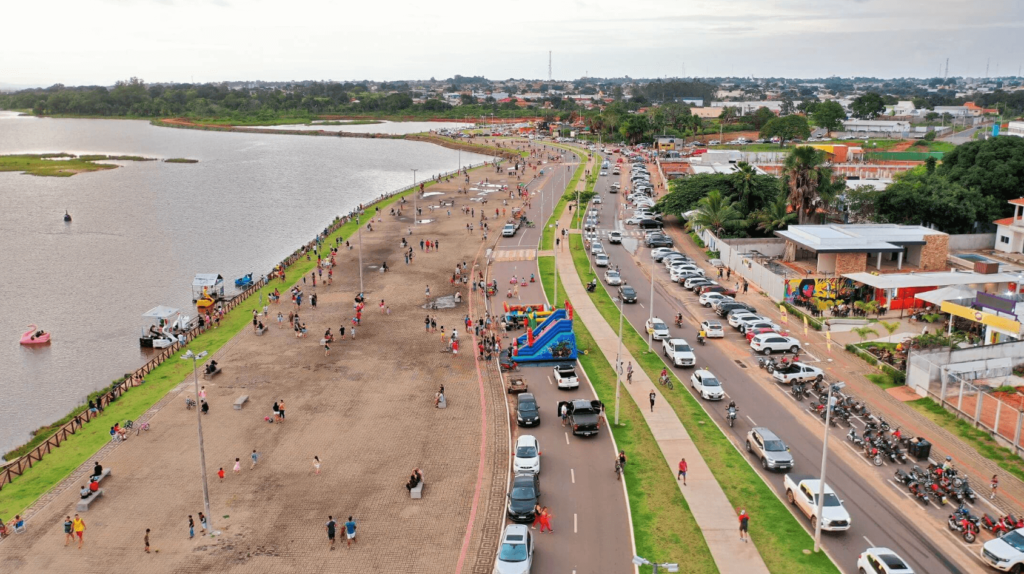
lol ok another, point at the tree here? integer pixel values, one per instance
(744, 183)
(635, 128)
(729, 113)
(686, 192)
(829, 115)
(762, 116)
(715, 213)
(890, 327)
(867, 106)
(805, 178)
(995, 166)
(774, 217)
(863, 332)
(921, 103)
(787, 106)
(918, 197)
(786, 128)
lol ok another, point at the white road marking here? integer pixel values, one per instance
(550, 382)
(751, 420)
(572, 473)
(870, 543)
(641, 304)
(574, 524)
(567, 438)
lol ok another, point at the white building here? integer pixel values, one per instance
(902, 108)
(1010, 232)
(1014, 129)
(751, 106)
(957, 111)
(876, 126)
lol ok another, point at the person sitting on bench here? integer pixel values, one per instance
(85, 492)
(414, 480)
(206, 407)
(94, 484)
(97, 471)
(211, 367)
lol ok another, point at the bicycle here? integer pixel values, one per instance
(666, 381)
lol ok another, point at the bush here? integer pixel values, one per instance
(814, 323)
(696, 239)
(929, 137)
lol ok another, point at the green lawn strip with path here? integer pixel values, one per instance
(58, 464)
(547, 240)
(663, 526)
(977, 439)
(780, 538)
(591, 182)
(461, 143)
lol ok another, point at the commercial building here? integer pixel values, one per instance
(841, 249)
(1014, 129)
(877, 126)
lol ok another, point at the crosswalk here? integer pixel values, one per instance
(515, 254)
(625, 233)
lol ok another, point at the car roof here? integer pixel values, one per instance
(527, 397)
(704, 373)
(677, 342)
(528, 439)
(656, 320)
(712, 323)
(517, 530)
(766, 433)
(891, 559)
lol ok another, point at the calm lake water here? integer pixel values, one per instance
(142, 231)
(395, 128)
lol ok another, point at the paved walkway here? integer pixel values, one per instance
(708, 504)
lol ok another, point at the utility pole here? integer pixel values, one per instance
(195, 358)
(415, 199)
(549, 66)
(824, 465)
(945, 75)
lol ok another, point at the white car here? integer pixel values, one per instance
(615, 237)
(769, 343)
(756, 327)
(707, 299)
(527, 457)
(680, 352)
(604, 173)
(515, 556)
(509, 230)
(707, 385)
(690, 283)
(681, 275)
(713, 329)
(657, 328)
(597, 200)
(612, 277)
(882, 561)
(596, 248)
(601, 260)
(645, 202)
(736, 320)
(634, 220)
(684, 265)
(750, 321)
(1005, 553)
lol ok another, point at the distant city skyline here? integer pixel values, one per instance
(97, 42)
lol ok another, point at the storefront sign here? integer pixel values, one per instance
(981, 317)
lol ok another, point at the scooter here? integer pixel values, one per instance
(872, 453)
(997, 527)
(852, 437)
(962, 521)
(766, 364)
(506, 367)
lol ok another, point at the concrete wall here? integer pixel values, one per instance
(827, 262)
(730, 252)
(971, 241)
(928, 369)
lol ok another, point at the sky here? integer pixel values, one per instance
(97, 42)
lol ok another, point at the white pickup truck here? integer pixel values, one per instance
(565, 376)
(798, 373)
(802, 491)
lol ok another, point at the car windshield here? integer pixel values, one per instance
(513, 552)
(683, 349)
(713, 327)
(893, 562)
(659, 326)
(613, 273)
(1016, 540)
(526, 452)
(526, 406)
(522, 493)
(774, 446)
(830, 499)
(710, 382)
(629, 291)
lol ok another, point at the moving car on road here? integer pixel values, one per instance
(509, 230)
(657, 329)
(767, 446)
(516, 553)
(679, 351)
(615, 237)
(707, 385)
(584, 416)
(527, 412)
(601, 260)
(565, 376)
(527, 459)
(612, 277)
(769, 343)
(882, 561)
(627, 294)
(802, 491)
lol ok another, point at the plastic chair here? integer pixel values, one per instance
(19, 527)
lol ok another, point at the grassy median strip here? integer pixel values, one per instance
(663, 526)
(58, 464)
(547, 240)
(781, 540)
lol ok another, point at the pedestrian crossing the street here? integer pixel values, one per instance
(515, 254)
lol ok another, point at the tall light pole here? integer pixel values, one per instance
(359, 235)
(195, 358)
(415, 199)
(650, 319)
(824, 464)
(618, 366)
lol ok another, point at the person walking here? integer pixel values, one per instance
(350, 530)
(565, 414)
(682, 471)
(744, 520)
(69, 532)
(220, 474)
(238, 465)
(331, 527)
(995, 485)
(255, 457)
(629, 373)
(78, 525)
(316, 465)
(545, 520)
(191, 527)
(202, 523)
(653, 396)
(147, 541)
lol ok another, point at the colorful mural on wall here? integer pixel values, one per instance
(830, 289)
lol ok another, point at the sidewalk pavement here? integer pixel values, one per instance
(710, 507)
(849, 368)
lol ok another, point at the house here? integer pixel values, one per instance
(839, 249)
(876, 126)
(1014, 129)
(972, 106)
(958, 111)
(1010, 231)
(902, 108)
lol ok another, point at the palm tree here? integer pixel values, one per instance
(863, 332)
(806, 178)
(891, 327)
(774, 217)
(714, 212)
(745, 184)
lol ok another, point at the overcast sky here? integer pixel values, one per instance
(78, 42)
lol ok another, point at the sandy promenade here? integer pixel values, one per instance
(366, 411)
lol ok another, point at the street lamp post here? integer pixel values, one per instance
(824, 465)
(415, 200)
(195, 358)
(618, 365)
(359, 235)
(650, 318)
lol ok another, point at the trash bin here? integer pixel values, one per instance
(920, 448)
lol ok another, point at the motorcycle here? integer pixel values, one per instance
(700, 339)
(902, 476)
(872, 453)
(679, 321)
(798, 390)
(856, 440)
(592, 286)
(882, 424)
(937, 492)
(768, 364)
(962, 521)
(997, 527)
(730, 413)
(506, 367)
(918, 492)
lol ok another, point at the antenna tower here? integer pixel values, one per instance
(549, 65)
(946, 74)
(987, 61)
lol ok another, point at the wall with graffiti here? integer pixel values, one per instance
(832, 288)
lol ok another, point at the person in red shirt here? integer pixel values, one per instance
(682, 471)
(744, 519)
(220, 473)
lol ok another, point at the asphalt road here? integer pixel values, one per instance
(577, 479)
(881, 513)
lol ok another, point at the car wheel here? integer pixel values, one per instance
(743, 330)
(767, 352)
(794, 349)
(708, 305)
(764, 463)
(790, 497)
(814, 523)
(749, 449)
(861, 571)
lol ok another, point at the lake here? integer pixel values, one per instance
(141, 232)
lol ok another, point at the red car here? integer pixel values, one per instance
(717, 289)
(757, 331)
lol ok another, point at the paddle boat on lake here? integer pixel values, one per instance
(35, 336)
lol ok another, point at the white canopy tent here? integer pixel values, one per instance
(954, 293)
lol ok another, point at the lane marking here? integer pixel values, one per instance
(751, 420)
(574, 524)
(870, 543)
(567, 437)
(550, 382)
(572, 473)
(641, 304)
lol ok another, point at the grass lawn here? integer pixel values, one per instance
(53, 165)
(663, 526)
(780, 537)
(44, 475)
(977, 439)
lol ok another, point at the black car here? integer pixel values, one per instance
(725, 308)
(527, 413)
(523, 496)
(659, 241)
(627, 294)
(650, 224)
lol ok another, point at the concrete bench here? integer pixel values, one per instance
(104, 474)
(213, 374)
(418, 491)
(83, 503)
(259, 332)
(241, 401)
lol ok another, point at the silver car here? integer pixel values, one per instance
(515, 556)
(774, 453)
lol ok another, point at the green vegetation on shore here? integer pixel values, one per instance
(181, 160)
(61, 164)
(663, 525)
